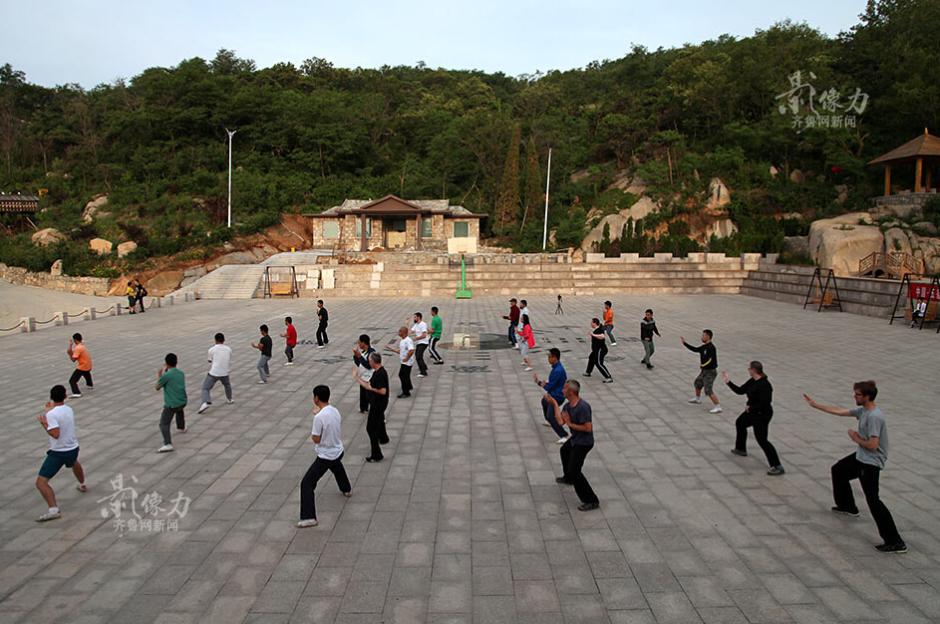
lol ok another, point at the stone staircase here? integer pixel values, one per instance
(231, 281)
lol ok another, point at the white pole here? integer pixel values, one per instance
(548, 177)
(231, 133)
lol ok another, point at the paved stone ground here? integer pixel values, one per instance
(463, 521)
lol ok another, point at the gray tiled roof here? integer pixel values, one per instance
(436, 206)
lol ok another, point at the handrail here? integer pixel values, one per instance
(17, 326)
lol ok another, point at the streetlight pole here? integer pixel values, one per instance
(231, 133)
(548, 177)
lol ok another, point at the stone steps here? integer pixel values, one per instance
(231, 281)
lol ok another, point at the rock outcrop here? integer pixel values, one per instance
(841, 242)
(100, 246)
(639, 210)
(718, 195)
(125, 248)
(93, 207)
(47, 236)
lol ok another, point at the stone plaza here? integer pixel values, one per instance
(463, 521)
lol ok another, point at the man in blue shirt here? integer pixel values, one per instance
(554, 387)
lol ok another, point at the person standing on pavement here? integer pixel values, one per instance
(327, 434)
(406, 355)
(527, 343)
(78, 353)
(378, 387)
(139, 293)
(266, 346)
(290, 340)
(323, 318)
(361, 352)
(757, 414)
(708, 369)
(513, 319)
(558, 308)
(220, 366)
(554, 387)
(576, 413)
(58, 422)
(437, 330)
(647, 329)
(609, 322)
(598, 337)
(419, 329)
(172, 381)
(865, 464)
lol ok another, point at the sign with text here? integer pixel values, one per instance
(924, 290)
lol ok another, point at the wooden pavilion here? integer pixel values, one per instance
(923, 152)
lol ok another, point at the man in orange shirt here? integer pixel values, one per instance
(78, 353)
(609, 322)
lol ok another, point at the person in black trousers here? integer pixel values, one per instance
(323, 317)
(361, 354)
(328, 436)
(757, 414)
(865, 464)
(598, 351)
(378, 402)
(577, 415)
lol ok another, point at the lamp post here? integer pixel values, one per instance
(548, 177)
(230, 133)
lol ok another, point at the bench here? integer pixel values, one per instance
(281, 288)
(931, 314)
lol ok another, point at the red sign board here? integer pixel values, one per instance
(923, 290)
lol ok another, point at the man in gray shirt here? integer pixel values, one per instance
(865, 464)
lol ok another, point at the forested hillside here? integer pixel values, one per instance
(312, 135)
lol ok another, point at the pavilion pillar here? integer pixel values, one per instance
(918, 175)
(887, 180)
(363, 245)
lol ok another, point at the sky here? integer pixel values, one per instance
(90, 42)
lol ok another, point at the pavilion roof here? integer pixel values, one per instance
(926, 145)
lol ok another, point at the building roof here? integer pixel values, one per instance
(390, 204)
(19, 203)
(924, 146)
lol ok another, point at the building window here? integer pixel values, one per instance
(368, 228)
(461, 229)
(330, 229)
(426, 228)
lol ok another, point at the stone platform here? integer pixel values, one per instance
(463, 522)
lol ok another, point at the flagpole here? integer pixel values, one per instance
(548, 177)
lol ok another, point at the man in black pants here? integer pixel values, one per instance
(647, 329)
(323, 317)
(327, 434)
(361, 354)
(865, 464)
(757, 414)
(378, 402)
(406, 355)
(577, 415)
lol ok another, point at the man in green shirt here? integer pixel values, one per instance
(173, 383)
(437, 328)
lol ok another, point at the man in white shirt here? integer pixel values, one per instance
(220, 366)
(422, 339)
(328, 436)
(59, 424)
(524, 309)
(406, 355)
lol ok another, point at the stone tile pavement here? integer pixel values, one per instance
(463, 522)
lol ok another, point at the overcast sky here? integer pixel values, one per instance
(94, 41)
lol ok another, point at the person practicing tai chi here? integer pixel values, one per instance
(598, 351)
(220, 366)
(422, 339)
(323, 320)
(437, 330)
(290, 340)
(78, 353)
(58, 421)
(513, 319)
(609, 322)
(865, 464)
(647, 329)
(378, 387)
(558, 308)
(265, 345)
(361, 352)
(527, 343)
(576, 413)
(172, 381)
(708, 369)
(553, 387)
(327, 434)
(757, 414)
(406, 355)
(139, 293)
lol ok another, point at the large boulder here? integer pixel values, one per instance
(92, 207)
(841, 242)
(47, 236)
(639, 210)
(56, 269)
(100, 246)
(722, 228)
(718, 195)
(164, 282)
(125, 248)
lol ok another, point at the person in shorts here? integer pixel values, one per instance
(58, 421)
(708, 369)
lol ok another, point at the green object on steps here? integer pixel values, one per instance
(463, 292)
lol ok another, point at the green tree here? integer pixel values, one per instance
(507, 203)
